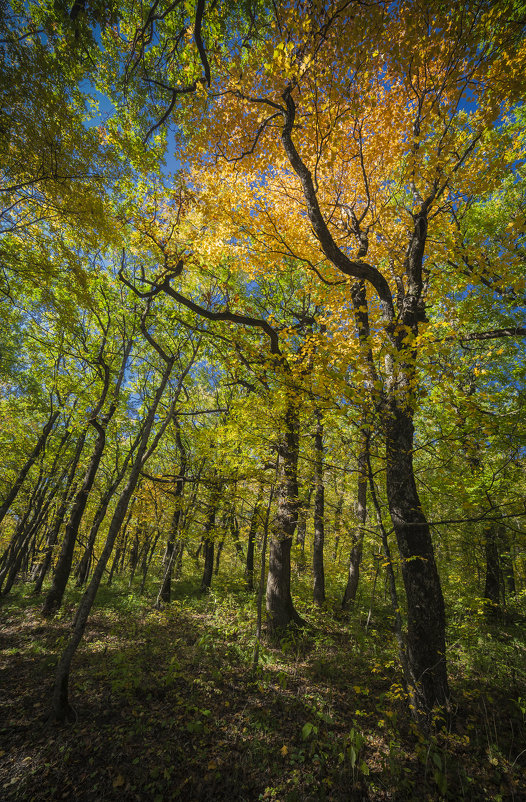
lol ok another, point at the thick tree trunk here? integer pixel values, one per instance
(318, 569)
(280, 609)
(426, 642)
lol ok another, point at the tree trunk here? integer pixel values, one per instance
(28, 465)
(355, 560)
(426, 642)
(208, 538)
(254, 521)
(337, 528)
(63, 568)
(280, 609)
(60, 707)
(492, 584)
(506, 561)
(83, 568)
(319, 516)
(165, 591)
(69, 491)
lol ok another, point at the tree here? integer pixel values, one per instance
(384, 149)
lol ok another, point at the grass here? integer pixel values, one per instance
(169, 708)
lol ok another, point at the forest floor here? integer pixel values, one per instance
(168, 708)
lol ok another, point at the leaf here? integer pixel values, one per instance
(119, 781)
(284, 751)
(306, 730)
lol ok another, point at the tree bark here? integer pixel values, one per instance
(492, 585)
(165, 591)
(28, 465)
(254, 521)
(355, 559)
(63, 568)
(208, 537)
(426, 644)
(319, 516)
(52, 538)
(60, 707)
(280, 608)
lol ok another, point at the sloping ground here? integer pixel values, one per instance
(167, 708)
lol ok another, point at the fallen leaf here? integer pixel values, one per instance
(118, 782)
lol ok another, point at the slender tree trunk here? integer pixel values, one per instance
(280, 608)
(69, 491)
(84, 566)
(355, 559)
(219, 551)
(28, 465)
(29, 533)
(63, 568)
(492, 589)
(233, 528)
(208, 537)
(259, 608)
(301, 528)
(506, 561)
(426, 642)
(147, 560)
(121, 541)
(135, 552)
(165, 591)
(60, 707)
(319, 516)
(254, 520)
(337, 527)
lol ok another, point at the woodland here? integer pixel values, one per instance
(262, 383)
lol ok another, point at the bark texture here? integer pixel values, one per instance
(426, 646)
(280, 608)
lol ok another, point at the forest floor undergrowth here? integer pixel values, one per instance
(168, 708)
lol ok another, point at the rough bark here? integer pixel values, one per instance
(280, 608)
(426, 646)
